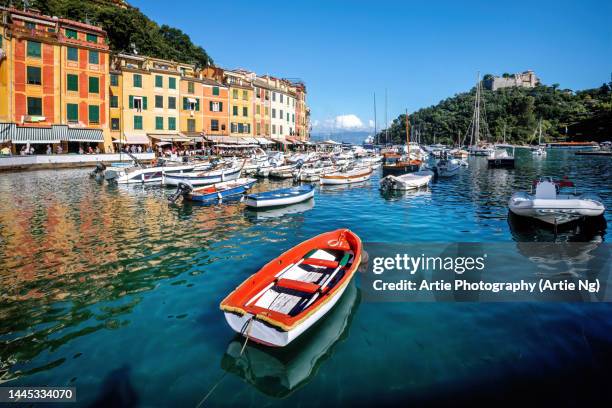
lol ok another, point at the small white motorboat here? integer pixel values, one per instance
(409, 181)
(539, 151)
(346, 177)
(312, 171)
(552, 207)
(447, 167)
(283, 172)
(500, 158)
(280, 197)
(202, 178)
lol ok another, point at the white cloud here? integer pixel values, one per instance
(342, 123)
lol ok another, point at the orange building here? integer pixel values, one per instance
(216, 108)
(55, 72)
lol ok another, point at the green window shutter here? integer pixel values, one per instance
(137, 81)
(94, 57)
(215, 90)
(71, 33)
(190, 87)
(171, 102)
(73, 54)
(197, 107)
(72, 112)
(210, 106)
(92, 38)
(159, 123)
(94, 85)
(114, 101)
(94, 114)
(159, 101)
(114, 80)
(131, 104)
(144, 103)
(172, 123)
(138, 122)
(159, 81)
(185, 104)
(72, 82)
(34, 49)
(220, 106)
(172, 83)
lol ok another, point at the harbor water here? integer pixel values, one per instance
(111, 290)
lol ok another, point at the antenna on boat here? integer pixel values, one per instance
(386, 120)
(408, 135)
(375, 128)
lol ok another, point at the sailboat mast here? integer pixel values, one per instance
(408, 135)
(540, 133)
(386, 120)
(477, 112)
(375, 130)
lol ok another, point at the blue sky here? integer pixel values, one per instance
(421, 51)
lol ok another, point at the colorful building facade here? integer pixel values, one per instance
(261, 108)
(215, 108)
(240, 102)
(54, 80)
(192, 106)
(59, 86)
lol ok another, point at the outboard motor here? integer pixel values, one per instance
(98, 172)
(182, 190)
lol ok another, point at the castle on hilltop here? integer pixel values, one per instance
(526, 79)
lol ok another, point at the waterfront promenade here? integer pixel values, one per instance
(53, 161)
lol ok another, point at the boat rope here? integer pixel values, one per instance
(209, 393)
(246, 328)
(248, 332)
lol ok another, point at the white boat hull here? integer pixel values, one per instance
(195, 179)
(410, 181)
(265, 334)
(338, 179)
(279, 202)
(555, 211)
(145, 175)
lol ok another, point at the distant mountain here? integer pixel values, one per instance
(353, 137)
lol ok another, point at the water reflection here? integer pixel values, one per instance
(264, 214)
(279, 372)
(525, 229)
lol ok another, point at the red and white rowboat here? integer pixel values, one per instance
(292, 292)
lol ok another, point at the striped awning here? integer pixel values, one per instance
(6, 131)
(133, 139)
(85, 135)
(264, 141)
(169, 137)
(34, 135)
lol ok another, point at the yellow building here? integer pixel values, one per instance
(150, 99)
(191, 109)
(115, 104)
(241, 102)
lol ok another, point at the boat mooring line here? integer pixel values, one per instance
(245, 328)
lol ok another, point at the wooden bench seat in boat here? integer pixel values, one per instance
(298, 284)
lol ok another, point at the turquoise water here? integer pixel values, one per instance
(111, 290)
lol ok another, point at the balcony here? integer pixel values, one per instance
(34, 33)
